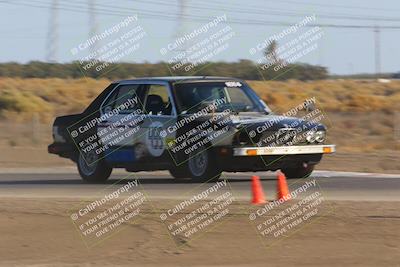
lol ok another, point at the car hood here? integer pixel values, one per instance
(274, 122)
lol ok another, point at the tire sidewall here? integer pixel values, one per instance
(211, 171)
(299, 172)
(100, 173)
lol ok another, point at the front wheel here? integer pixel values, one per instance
(298, 172)
(179, 172)
(92, 169)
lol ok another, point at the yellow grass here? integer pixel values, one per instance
(333, 95)
(19, 98)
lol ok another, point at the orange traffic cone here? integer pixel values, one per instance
(282, 188)
(258, 193)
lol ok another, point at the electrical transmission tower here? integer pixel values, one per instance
(180, 28)
(93, 26)
(377, 32)
(52, 35)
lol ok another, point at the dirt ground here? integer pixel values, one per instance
(40, 232)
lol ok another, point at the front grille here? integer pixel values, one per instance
(281, 137)
(285, 137)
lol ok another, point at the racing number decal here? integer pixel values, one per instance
(154, 142)
(155, 139)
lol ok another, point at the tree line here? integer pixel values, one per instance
(244, 69)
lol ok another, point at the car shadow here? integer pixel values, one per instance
(116, 180)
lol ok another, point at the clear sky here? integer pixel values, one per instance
(25, 23)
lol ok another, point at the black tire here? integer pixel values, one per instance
(97, 172)
(202, 166)
(298, 172)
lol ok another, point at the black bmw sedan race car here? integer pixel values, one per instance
(195, 127)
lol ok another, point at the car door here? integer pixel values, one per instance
(121, 123)
(160, 111)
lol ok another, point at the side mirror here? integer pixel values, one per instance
(107, 109)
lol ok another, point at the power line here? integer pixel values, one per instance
(274, 12)
(172, 17)
(182, 15)
(335, 6)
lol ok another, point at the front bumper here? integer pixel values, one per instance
(63, 150)
(284, 150)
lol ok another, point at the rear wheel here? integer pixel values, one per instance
(202, 166)
(298, 172)
(92, 169)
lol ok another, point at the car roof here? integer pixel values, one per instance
(179, 79)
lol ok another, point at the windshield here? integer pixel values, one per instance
(231, 95)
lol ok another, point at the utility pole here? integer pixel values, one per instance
(180, 29)
(377, 34)
(52, 34)
(93, 26)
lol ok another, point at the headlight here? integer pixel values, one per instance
(313, 136)
(310, 136)
(320, 136)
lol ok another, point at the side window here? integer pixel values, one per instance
(158, 101)
(237, 95)
(110, 101)
(126, 96)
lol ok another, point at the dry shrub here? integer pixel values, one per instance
(53, 97)
(20, 98)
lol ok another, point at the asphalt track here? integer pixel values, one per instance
(66, 183)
